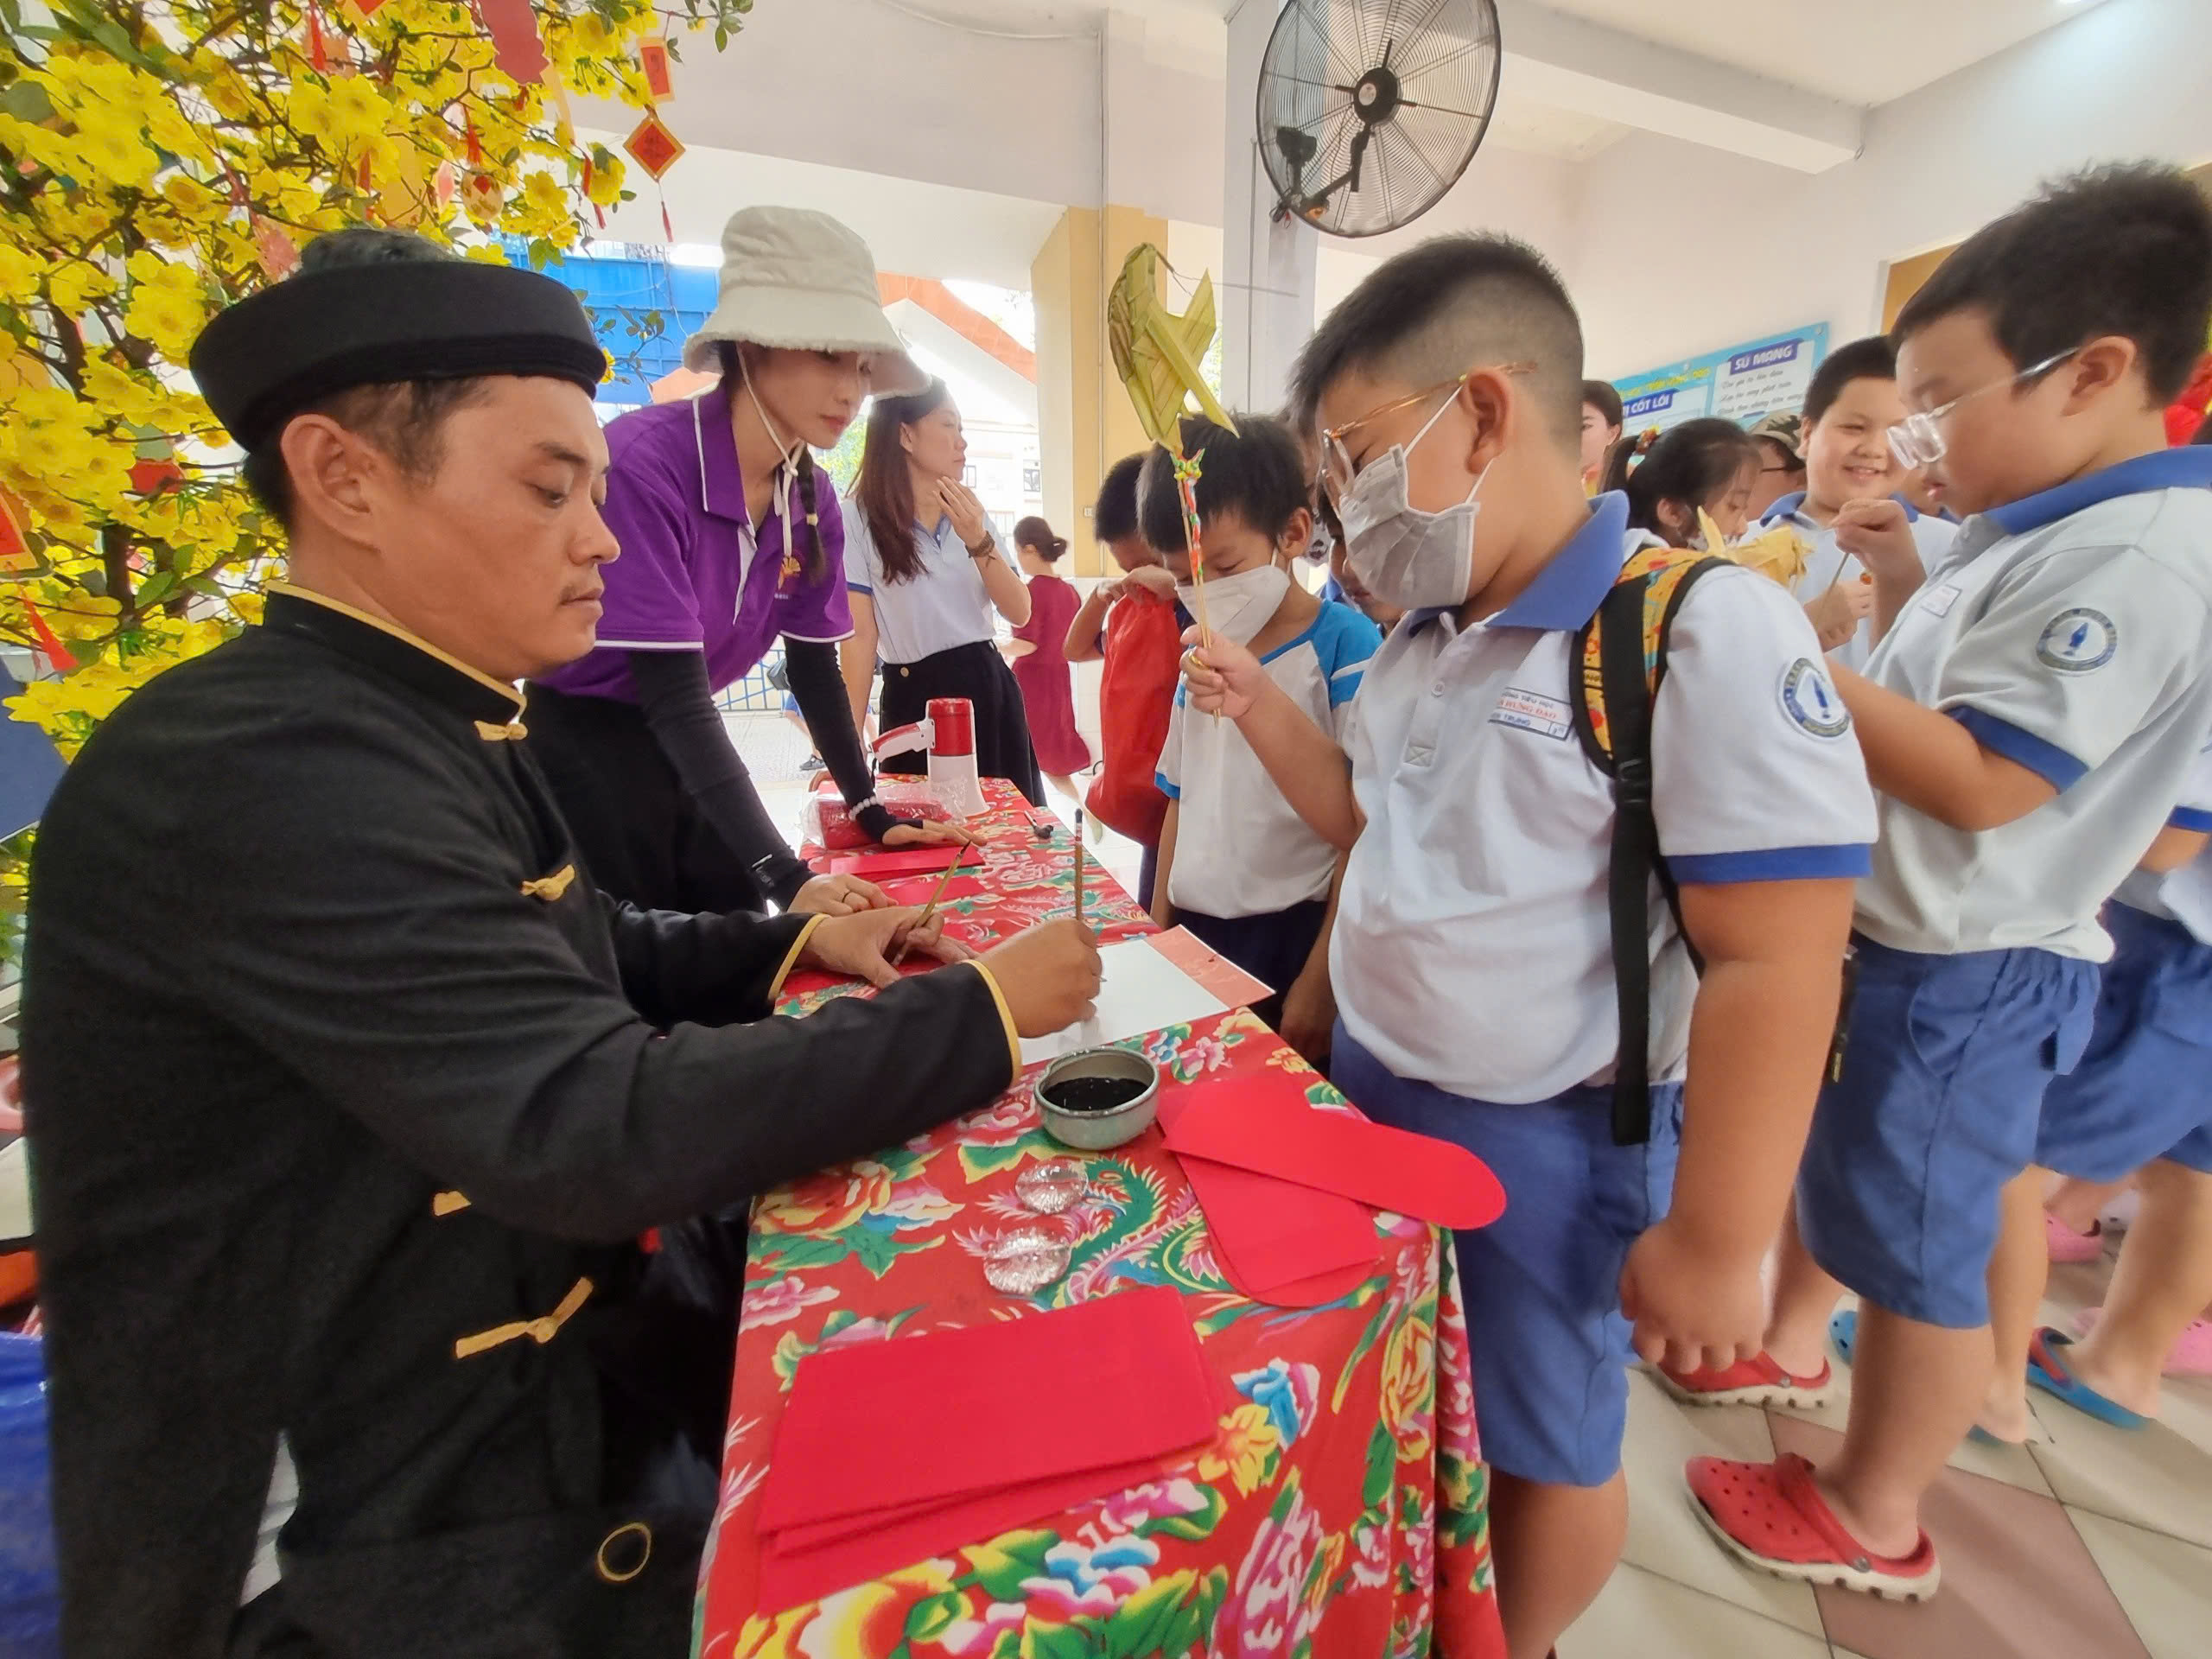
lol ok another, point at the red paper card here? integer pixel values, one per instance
(880, 1425)
(840, 1554)
(1215, 973)
(1258, 1128)
(653, 59)
(515, 45)
(653, 146)
(1277, 1241)
(919, 861)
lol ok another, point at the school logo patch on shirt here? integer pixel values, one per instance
(2077, 641)
(1528, 712)
(1811, 701)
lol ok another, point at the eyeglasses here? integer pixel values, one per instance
(1337, 470)
(1917, 439)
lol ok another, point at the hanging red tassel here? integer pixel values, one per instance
(56, 652)
(476, 144)
(318, 48)
(598, 212)
(666, 224)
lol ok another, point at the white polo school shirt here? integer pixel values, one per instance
(1471, 948)
(1241, 849)
(2070, 631)
(945, 607)
(1828, 564)
(2184, 895)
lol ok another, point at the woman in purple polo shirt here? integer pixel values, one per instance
(731, 540)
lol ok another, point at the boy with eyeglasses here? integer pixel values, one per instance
(2032, 720)
(1471, 961)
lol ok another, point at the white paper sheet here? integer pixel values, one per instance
(1141, 991)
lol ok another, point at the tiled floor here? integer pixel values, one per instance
(2092, 1543)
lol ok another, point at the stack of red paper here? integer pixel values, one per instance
(1286, 1187)
(891, 1452)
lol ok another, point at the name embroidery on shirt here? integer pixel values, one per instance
(2078, 641)
(1812, 705)
(1528, 712)
(1939, 602)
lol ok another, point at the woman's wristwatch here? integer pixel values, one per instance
(988, 548)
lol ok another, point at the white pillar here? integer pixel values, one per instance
(1267, 300)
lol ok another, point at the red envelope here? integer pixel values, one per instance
(1255, 1128)
(1276, 1242)
(885, 1424)
(803, 1564)
(919, 861)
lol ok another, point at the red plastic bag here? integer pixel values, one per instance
(1144, 655)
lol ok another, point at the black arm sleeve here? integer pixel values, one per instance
(679, 709)
(819, 688)
(374, 942)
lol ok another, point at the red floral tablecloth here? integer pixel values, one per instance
(1341, 1508)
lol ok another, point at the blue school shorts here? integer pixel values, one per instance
(1541, 1285)
(1944, 1069)
(2143, 1089)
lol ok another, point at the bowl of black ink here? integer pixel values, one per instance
(1099, 1098)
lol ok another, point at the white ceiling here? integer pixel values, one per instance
(1862, 52)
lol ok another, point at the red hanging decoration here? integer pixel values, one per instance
(15, 555)
(598, 212)
(151, 477)
(318, 48)
(667, 228)
(516, 47)
(56, 652)
(653, 59)
(476, 144)
(655, 147)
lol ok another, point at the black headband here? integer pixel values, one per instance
(324, 332)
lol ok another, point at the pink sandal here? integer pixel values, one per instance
(1769, 1515)
(2192, 1355)
(1758, 1381)
(2064, 1244)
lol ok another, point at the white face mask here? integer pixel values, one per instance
(1403, 555)
(1238, 607)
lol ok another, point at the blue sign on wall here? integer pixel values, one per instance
(1741, 382)
(622, 295)
(29, 767)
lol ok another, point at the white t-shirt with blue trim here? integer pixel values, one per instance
(1827, 564)
(1472, 948)
(2071, 633)
(2184, 895)
(1241, 849)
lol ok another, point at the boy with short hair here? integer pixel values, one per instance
(2032, 720)
(1238, 867)
(1472, 961)
(1853, 491)
(1134, 626)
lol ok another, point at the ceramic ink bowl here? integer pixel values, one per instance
(1099, 1098)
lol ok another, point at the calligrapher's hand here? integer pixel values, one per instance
(837, 895)
(1049, 976)
(862, 945)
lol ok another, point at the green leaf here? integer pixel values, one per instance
(155, 588)
(930, 1619)
(1143, 1622)
(26, 101)
(877, 1251)
(1382, 1464)
(792, 1251)
(1002, 1564)
(1196, 1525)
(721, 37)
(1058, 1642)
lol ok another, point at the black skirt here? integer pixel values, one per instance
(978, 673)
(642, 836)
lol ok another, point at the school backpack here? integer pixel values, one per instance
(1622, 651)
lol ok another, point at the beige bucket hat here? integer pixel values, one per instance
(799, 279)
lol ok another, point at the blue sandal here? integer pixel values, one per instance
(1843, 1336)
(2047, 1371)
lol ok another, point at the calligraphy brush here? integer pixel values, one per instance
(1078, 866)
(929, 909)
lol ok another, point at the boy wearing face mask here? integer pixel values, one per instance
(1472, 958)
(1237, 865)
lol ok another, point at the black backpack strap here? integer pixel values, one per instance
(1635, 851)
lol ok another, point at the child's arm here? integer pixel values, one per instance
(1759, 1035)
(1083, 646)
(2174, 847)
(1933, 764)
(1163, 908)
(1306, 763)
(1878, 534)
(1309, 1007)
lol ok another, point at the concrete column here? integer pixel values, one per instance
(1267, 299)
(1086, 422)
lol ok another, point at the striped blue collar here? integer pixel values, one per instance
(1792, 507)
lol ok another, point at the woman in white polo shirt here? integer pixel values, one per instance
(925, 570)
